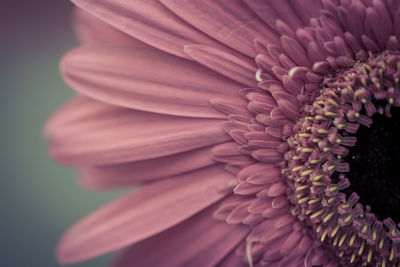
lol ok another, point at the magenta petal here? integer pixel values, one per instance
(85, 132)
(142, 214)
(145, 171)
(148, 21)
(236, 67)
(228, 21)
(148, 80)
(199, 241)
(292, 12)
(93, 31)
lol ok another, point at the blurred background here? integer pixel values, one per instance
(39, 199)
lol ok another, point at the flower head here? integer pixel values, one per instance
(263, 133)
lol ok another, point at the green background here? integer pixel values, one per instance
(39, 199)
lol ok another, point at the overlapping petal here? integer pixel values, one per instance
(199, 241)
(144, 213)
(228, 89)
(147, 79)
(86, 132)
(145, 171)
(148, 21)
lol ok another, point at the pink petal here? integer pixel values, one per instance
(228, 21)
(236, 67)
(148, 80)
(118, 175)
(229, 153)
(199, 241)
(93, 31)
(85, 132)
(239, 213)
(233, 260)
(291, 242)
(292, 12)
(142, 214)
(148, 21)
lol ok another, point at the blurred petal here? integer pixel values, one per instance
(145, 171)
(199, 241)
(142, 214)
(148, 80)
(236, 67)
(229, 21)
(148, 21)
(93, 31)
(85, 132)
(291, 12)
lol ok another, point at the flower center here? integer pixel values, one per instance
(342, 148)
(375, 166)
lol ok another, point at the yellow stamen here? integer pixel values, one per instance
(361, 250)
(381, 243)
(328, 217)
(352, 239)
(319, 177)
(346, 206)
(353, 257)
(302, 187)
(393, 232)
(331, 167)
(295, 169)
(317, 214)
(320, 117)
(330, 200)
(364, 229)
(342, 239)
(391, 254)
(324, 235)
(317, 106)
(348, 218)
(303, 200)
(374, 236)
(334, 232)
(335, 241)
(327, 149)
(330, 114)
(333, 188)
(333, 93)
(314, 200)
(333, 102)
(369, 257)
(363, 81)
(322, 131)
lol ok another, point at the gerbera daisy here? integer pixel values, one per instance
(260, 131)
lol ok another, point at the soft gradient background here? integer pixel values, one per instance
(39, 199)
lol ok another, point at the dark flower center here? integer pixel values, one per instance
(345, 147)
(375, 166)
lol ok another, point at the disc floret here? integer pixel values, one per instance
(317, 161)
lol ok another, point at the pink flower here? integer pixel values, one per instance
(254, 127)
